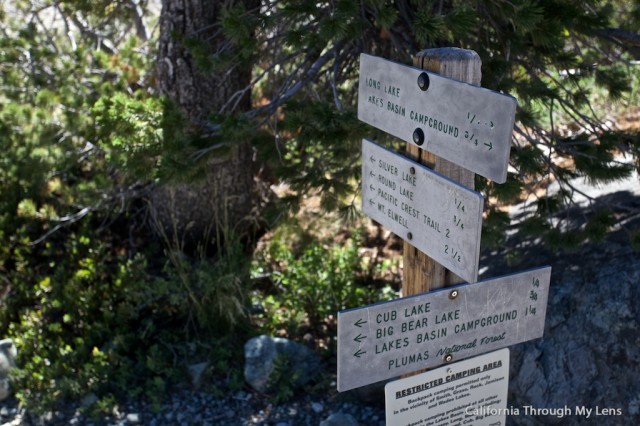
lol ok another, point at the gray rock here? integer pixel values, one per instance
(590, 351)
(8, 354)
(317, 407)
(260, 356)
(196, 371)
(133, 418)
(242, 396)
(88, 400)
(339, 419)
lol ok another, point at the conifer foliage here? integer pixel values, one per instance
(560, 59)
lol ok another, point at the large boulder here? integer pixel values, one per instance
(589, 356)
(8, 354)
(262, 352)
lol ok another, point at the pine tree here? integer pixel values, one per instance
(556, 57)
(202, 212)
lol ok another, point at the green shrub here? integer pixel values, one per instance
(88, 295)
(311, 286)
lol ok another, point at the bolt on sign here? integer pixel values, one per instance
(386, 340)
(468, 125)
(433, 213)
(470, 392)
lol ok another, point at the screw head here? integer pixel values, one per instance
(423, 81)
(418, 136)
(409, 236)
(453, 294)
(448, 358)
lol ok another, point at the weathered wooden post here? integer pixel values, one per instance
(420, 272)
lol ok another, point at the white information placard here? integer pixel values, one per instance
(470, 392)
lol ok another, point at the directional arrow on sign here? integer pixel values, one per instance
(490, 145)
(432, 230)
(372, 202)
(373, 160)
(480, 318)
(359, 338)
(444, 113)
(372, 174)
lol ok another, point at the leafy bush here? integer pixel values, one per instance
(91, 320)
(75, 322)
(86, 292)
(311, 286)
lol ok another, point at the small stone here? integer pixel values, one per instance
(8, 354)
(4, 411)
(317, 407)
(133, 418)
(242, 396)
(89, 400)
(47, 417)
(196, 371)
(339, 419)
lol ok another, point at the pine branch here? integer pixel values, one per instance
(117, 196)
(101, 41)
(141, 28)
(628, 40)
(623, 37)
(310, 73)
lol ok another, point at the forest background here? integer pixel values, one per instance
(156, 158)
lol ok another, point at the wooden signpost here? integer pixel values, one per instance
(422, 273)
(453, 128)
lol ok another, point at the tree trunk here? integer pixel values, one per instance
(197, 213)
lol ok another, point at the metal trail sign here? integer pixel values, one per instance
(386, 340)
(467, 125)
(434, 214)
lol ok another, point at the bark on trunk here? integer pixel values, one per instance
(198, 212)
